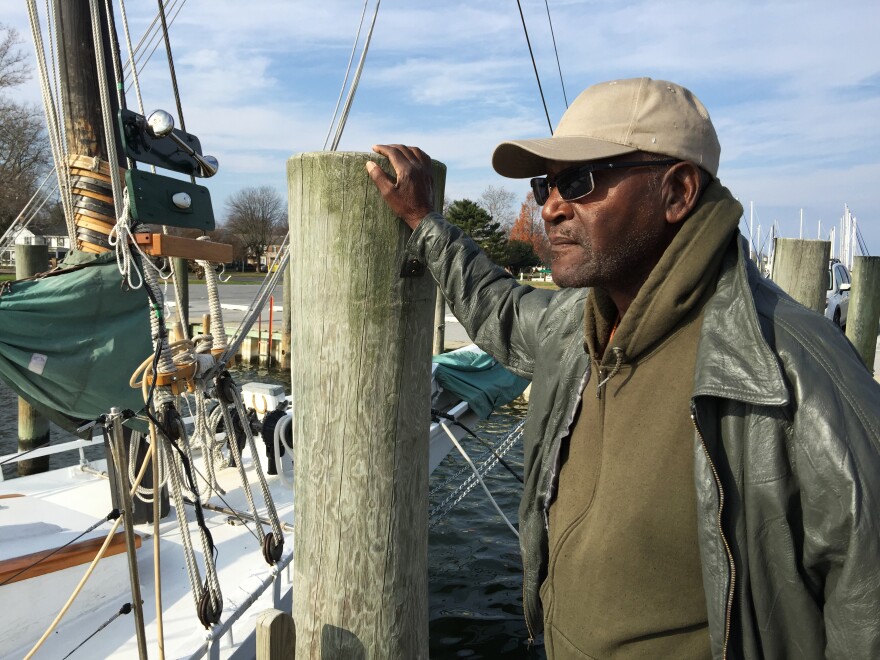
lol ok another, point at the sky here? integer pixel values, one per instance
(793, 88)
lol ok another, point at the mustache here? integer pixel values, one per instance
(562, 236)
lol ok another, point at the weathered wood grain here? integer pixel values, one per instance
(360, 378)
(800, 267)
(276, 635)
(864, 307)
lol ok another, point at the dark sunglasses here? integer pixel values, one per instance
(576, 182)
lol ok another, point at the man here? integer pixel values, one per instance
(701, 452)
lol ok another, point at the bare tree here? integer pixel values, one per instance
(256, 216)
(24, 148)
(14, 69)
(499, 203)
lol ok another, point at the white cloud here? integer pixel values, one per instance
(781, 80)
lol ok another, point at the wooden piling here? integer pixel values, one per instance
(360, 379)
(285, 319)
(33, 428)
(439, 323)
(864, 307)
(276, 635)
(800, 267)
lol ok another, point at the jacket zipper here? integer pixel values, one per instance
(583, 384)
(729, 608)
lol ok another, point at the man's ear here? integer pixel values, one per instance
(681, 190)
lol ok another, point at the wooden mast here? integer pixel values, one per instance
(95, 215)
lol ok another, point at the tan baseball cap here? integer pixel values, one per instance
(615, 118)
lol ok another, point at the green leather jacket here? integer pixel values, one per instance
(786, 446)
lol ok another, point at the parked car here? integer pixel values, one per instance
(837, 296)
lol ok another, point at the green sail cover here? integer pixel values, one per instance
(69, 343)
(477, 378)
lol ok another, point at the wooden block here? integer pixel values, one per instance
(165, 245)
(89, 163)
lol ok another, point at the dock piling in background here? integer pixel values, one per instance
(800, 267)
(864, 307)
(33, 427)
(285, 321)
(360, 379)
(439, 323)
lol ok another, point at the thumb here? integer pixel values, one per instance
(377, 174)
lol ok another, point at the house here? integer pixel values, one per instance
(58, 244)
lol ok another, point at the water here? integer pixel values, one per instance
(474, 567)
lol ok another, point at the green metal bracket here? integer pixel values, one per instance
(161, 200)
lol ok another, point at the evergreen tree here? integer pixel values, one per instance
(520, 256)
(479, 225)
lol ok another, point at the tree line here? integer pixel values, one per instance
(256, 218)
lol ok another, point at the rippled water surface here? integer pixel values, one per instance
(474, 569)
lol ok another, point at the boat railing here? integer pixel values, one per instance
(73, 445)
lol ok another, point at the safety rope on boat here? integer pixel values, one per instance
(488, 461)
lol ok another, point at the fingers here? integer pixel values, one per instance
(410, 192)
(400, 154)
(377, 174)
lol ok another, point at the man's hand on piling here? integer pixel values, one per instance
(412, 196)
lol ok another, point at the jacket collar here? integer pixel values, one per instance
(734, 360)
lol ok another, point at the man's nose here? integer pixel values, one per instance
(556, 209)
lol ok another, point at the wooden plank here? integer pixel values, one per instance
(95, 225)
(89, 174)
(107, 199)
(75, 554)
(276, 635)
(166, 245)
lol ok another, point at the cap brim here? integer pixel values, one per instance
(519, 159)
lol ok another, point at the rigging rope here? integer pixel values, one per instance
(534, 66)
(115, 513)
(355, 81)
(125, 609)
(153, 34)
(106, 111)
(56, 141)
(558, 65)
(88, 573)
(357, 37)
(27, 213)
